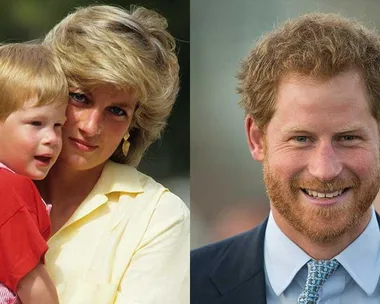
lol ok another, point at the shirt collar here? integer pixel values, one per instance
(281, 270)
(48, 206)
(119, 178)
(365, 270)
(114, 178)
(5, 167)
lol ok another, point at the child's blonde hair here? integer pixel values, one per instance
(29, 70)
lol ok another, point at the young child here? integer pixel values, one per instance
(33, 99)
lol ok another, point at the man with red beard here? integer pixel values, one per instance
(311, 92)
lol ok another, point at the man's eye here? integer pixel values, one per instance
(78, 97)
(348, 137)
(36, 123)
(301, 138)
(117, 111)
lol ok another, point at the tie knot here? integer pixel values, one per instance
(317, 274)
(321, 269)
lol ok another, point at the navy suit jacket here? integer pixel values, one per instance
(231, 271)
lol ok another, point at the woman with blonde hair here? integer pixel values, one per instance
(118, 236)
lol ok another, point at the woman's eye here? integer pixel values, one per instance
(36, 123)
(78, 97)
(117, 111)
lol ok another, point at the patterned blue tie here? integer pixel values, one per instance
(317, 274)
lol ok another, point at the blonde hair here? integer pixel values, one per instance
(27, 71)
(131, 50)
(317, 45)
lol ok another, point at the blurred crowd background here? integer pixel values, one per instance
(168, 159)
(227, 192)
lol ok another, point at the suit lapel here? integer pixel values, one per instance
(239, 274)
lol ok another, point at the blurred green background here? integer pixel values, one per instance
(168, 159)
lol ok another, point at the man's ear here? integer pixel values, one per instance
(255, 139)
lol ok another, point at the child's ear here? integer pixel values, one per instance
(255, 139)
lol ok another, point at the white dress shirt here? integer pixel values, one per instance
(355, 281)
